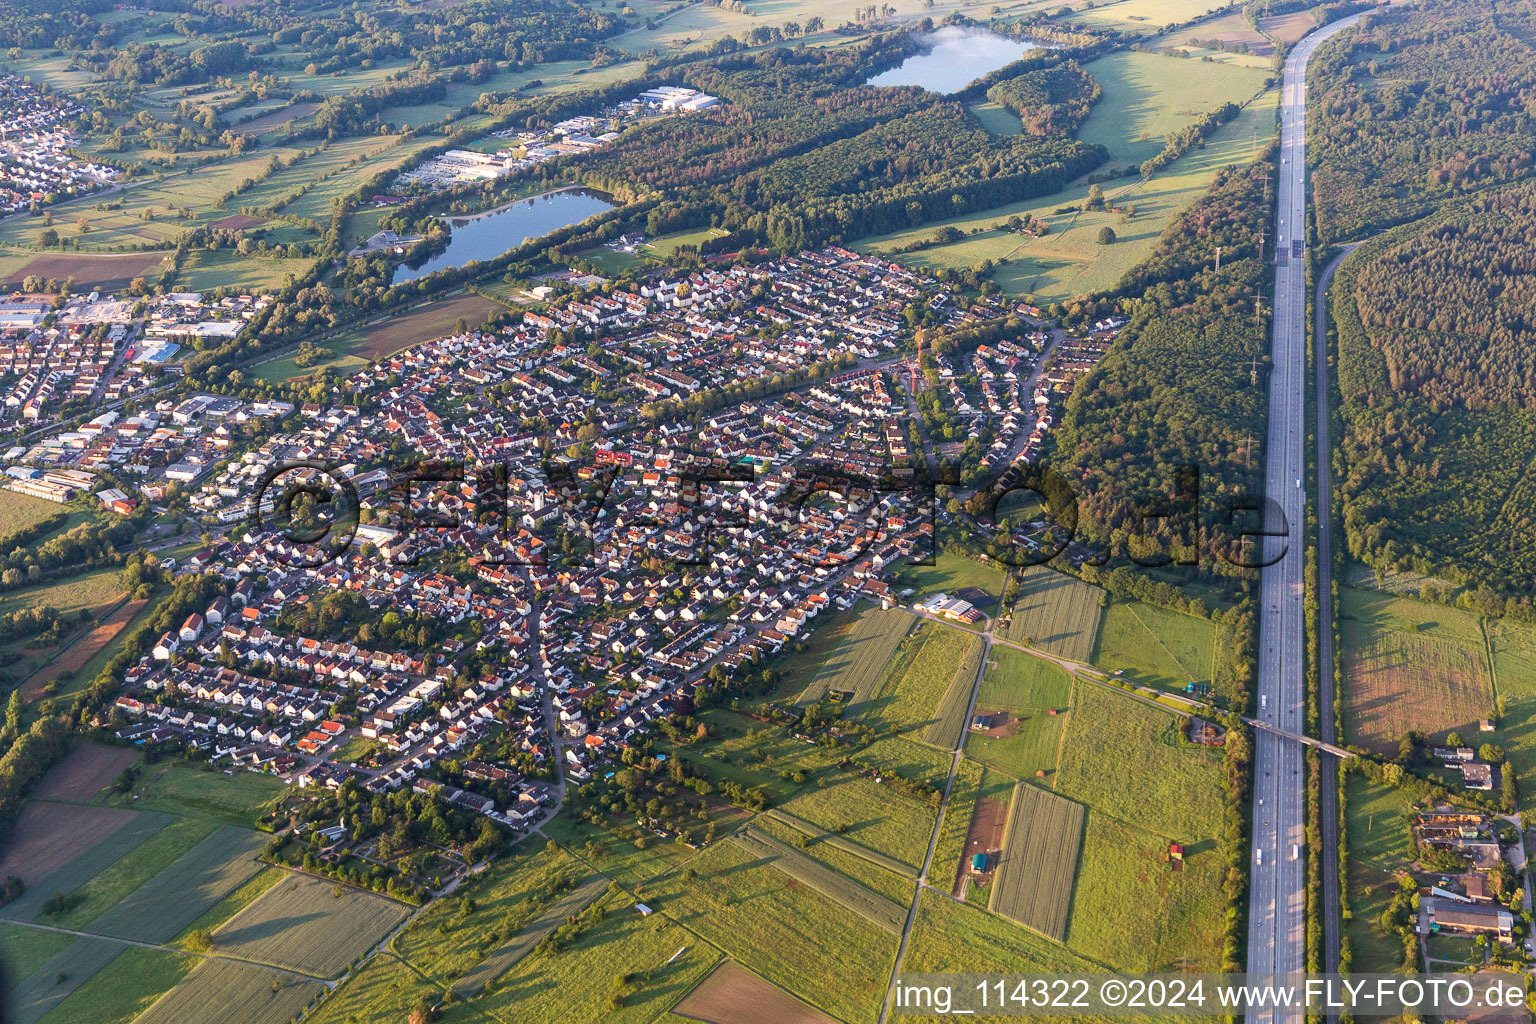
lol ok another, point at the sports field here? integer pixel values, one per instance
(1038, 863)
(1409, 665)
(1056, 613)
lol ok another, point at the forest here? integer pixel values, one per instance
(1435, 367)
(1452, 308)
(1422, 103)
(225, 38)
(1048, 99)
(1175, 388)
(804, 154)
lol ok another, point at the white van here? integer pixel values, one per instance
(1259, 856)
(1295, 851)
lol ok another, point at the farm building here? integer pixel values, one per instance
(1473, 919)
(947, 607)
(1476, 775)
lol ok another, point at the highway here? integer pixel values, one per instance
(1277, 892)
(1328, 799)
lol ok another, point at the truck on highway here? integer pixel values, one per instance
(1295, 851)
(1258, 856)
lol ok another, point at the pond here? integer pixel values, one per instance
(954, 58)
(488, 235)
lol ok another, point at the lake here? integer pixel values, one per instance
(490, 234)
(955, 57)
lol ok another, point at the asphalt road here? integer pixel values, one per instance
(1329, 797)
(1277, 893)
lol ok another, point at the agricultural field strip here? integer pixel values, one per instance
(1400, 678)
(1039, 861)
(829, 883)
(949, 718)
(35, 995)
(846, 845)
(86, 865)
(857, 663)
(1056, 613)
(320, 927)
(164, 906)
(530, 935)
(243, 993)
